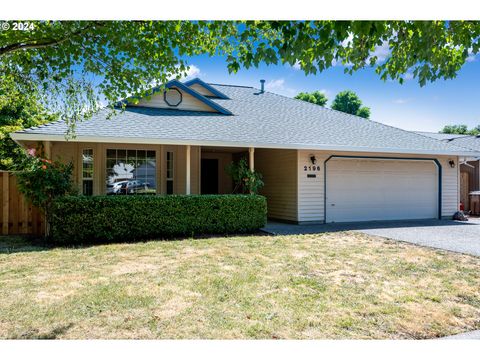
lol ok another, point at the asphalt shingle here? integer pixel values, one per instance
(259, 119)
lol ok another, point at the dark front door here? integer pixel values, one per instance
(209, 176)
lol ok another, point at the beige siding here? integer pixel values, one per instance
(311, 190)
(278, 170)
(188, 103)
(224, 180)
(199, 88)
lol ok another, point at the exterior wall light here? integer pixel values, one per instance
(451, 163)
(313, 159)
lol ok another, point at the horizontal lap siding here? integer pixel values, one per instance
(279, 175)
(311, 190)
(189, 102)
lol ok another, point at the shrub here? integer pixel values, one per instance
(246, 181)
(41, 180)
(82, 219)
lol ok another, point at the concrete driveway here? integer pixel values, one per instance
(461, 237)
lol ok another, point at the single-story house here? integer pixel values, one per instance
(318, 164)
(469, 169)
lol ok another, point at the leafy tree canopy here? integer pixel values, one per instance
(315, 97)
(460, 129)
(17, 111)
(74, 64)
(349, 102)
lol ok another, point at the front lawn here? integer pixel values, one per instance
(336, 285)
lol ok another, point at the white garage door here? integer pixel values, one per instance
(364, 190)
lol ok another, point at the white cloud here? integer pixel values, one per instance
(401, 101)
(382, 52)
(279, 86)
(408, 76)
(471, 56)
(192, 72)
(296, 66)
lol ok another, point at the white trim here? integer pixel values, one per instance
(155, 141)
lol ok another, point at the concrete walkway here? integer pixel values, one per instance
(456, 236)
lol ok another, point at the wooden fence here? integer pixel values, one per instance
(18, 217)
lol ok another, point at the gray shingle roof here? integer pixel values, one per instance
(440, 136)
(469, 142)
(259, 119)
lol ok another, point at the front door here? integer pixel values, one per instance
(209, 177)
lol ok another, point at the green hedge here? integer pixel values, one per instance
(94, 219)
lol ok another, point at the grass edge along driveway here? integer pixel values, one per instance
(341, 285)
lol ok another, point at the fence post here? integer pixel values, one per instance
(6, 201)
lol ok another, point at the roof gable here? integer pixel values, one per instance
(187, 99)
(205, 89)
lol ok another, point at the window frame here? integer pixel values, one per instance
(91, 178)
(127, 149)
(170, 179)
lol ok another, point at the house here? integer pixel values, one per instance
(469, 169)
(318, 165)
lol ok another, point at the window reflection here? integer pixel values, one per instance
(131, 172)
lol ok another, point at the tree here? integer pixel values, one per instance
(315, 97)
(364, 112)
(460, 130)
(349, 102)
(17, 111)
(42, 180)
(75, 64)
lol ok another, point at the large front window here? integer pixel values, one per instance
(131, 172)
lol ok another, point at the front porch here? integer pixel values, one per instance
(121, 169)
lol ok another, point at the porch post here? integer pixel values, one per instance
(187, 172)
(251, 158)
(47, 145)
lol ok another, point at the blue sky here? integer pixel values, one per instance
(407, 106)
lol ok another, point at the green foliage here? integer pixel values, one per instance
(349, 102)
(123, 58)
(364, 112)
(90, 219)
(460, 129)
(315, 97)
(245, 180)
(42, 180)
(18, 110)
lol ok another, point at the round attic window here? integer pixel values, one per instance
(173, 97)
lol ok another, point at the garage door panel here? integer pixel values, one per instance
(363, 190)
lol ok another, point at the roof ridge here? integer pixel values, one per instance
(359, 117)
(231, 85)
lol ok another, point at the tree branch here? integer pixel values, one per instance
(43, 43)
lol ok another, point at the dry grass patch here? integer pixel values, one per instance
(336, 285)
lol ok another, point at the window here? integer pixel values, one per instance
(130, 172)
(87, 172)
(169, 172)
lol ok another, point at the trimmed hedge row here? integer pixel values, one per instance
(94, 219)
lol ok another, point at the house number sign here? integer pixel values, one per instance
(311, 168)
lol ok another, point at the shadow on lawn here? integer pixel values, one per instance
(53, 334)
(16, 244)
(21, 244)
